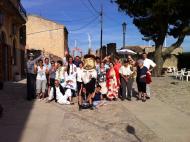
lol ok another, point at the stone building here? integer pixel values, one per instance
(12, 39)
(170, 61)
(47, 36)
(107, 50)
(111, 50)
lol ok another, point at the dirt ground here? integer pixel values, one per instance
(163, 118)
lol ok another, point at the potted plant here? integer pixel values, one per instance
(17, 76)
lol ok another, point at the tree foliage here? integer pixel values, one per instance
(157, 18)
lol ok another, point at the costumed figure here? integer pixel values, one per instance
(89, 76)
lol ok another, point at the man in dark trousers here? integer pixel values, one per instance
(31, 76)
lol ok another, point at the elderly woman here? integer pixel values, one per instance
(141, 79)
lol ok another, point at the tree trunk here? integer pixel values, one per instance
(158, 60)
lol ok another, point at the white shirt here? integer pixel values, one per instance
(48, 66)
(61, 98)
(148, 63)
(86, 75)
(60, 73)
(79, 74)
(59, 95)
(73, 69)
(71, 85)
(41, 73)
(125, 70)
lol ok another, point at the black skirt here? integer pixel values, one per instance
(90, 86)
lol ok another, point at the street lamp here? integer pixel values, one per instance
(124, 25)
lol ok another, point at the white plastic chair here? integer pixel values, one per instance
(182, 75)
(187, 76)
(177, 74)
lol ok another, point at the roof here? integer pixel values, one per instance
(147, 49)
(138, 49)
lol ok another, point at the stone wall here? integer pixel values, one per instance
(46, 35)
(11, 49)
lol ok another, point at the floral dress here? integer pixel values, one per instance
(111, 83)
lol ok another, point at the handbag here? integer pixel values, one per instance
(148, 78)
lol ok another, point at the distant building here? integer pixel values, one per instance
(12, 39)
(107, 50)
(170, 61)
(46, 35)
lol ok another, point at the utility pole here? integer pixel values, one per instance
(101, 34)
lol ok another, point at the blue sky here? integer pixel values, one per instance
(77, 14)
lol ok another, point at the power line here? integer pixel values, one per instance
(93, 6)
(74, 20)
(85, 5)
(45, 31)
(82, 27)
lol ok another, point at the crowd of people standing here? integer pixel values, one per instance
(92, 80)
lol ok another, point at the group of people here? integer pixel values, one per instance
(89, 78)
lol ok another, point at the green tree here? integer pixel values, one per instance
(157, 19)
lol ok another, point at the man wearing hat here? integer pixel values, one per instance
(31, 76)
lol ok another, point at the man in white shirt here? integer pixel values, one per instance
(125, 73)
(150, 66)
(60, 95)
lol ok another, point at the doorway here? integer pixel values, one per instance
(4, 72)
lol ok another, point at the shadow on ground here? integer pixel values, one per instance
(16, 111)
(131, 130)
